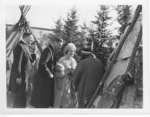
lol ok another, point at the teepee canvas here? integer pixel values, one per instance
(120, 63)
(18, 30)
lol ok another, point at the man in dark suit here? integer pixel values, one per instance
(86, 78)
(43, 84)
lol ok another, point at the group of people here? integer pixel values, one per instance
(56, 80)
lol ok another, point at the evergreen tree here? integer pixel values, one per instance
(101, 34)
(70, 27)
(101, 23)
(57, 32)
(124, 16)
(83, 34)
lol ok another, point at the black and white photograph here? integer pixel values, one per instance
(92, 63)
(74, 55)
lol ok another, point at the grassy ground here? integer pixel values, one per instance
(137, 100)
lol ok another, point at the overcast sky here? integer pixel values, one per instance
(46, 15)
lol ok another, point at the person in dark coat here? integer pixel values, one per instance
(87, 75)
(43, 86)
(17, 84)
(86, 78)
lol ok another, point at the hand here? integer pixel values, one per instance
(93, 55)
(51, 75)
(18, 80)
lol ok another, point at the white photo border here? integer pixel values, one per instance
(146, 63)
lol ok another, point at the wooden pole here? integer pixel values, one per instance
(26, 9)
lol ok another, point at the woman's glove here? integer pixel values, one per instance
(18, 81)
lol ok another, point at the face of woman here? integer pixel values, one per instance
(71, 52)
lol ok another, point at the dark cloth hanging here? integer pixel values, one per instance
(18, 71)
(86, 78)
(43, 84)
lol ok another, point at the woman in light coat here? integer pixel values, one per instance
(63, 79)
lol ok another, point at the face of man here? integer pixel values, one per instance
(60, 44)
(29, 39)
(33, 47)
(85, 43)
(55, 44)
